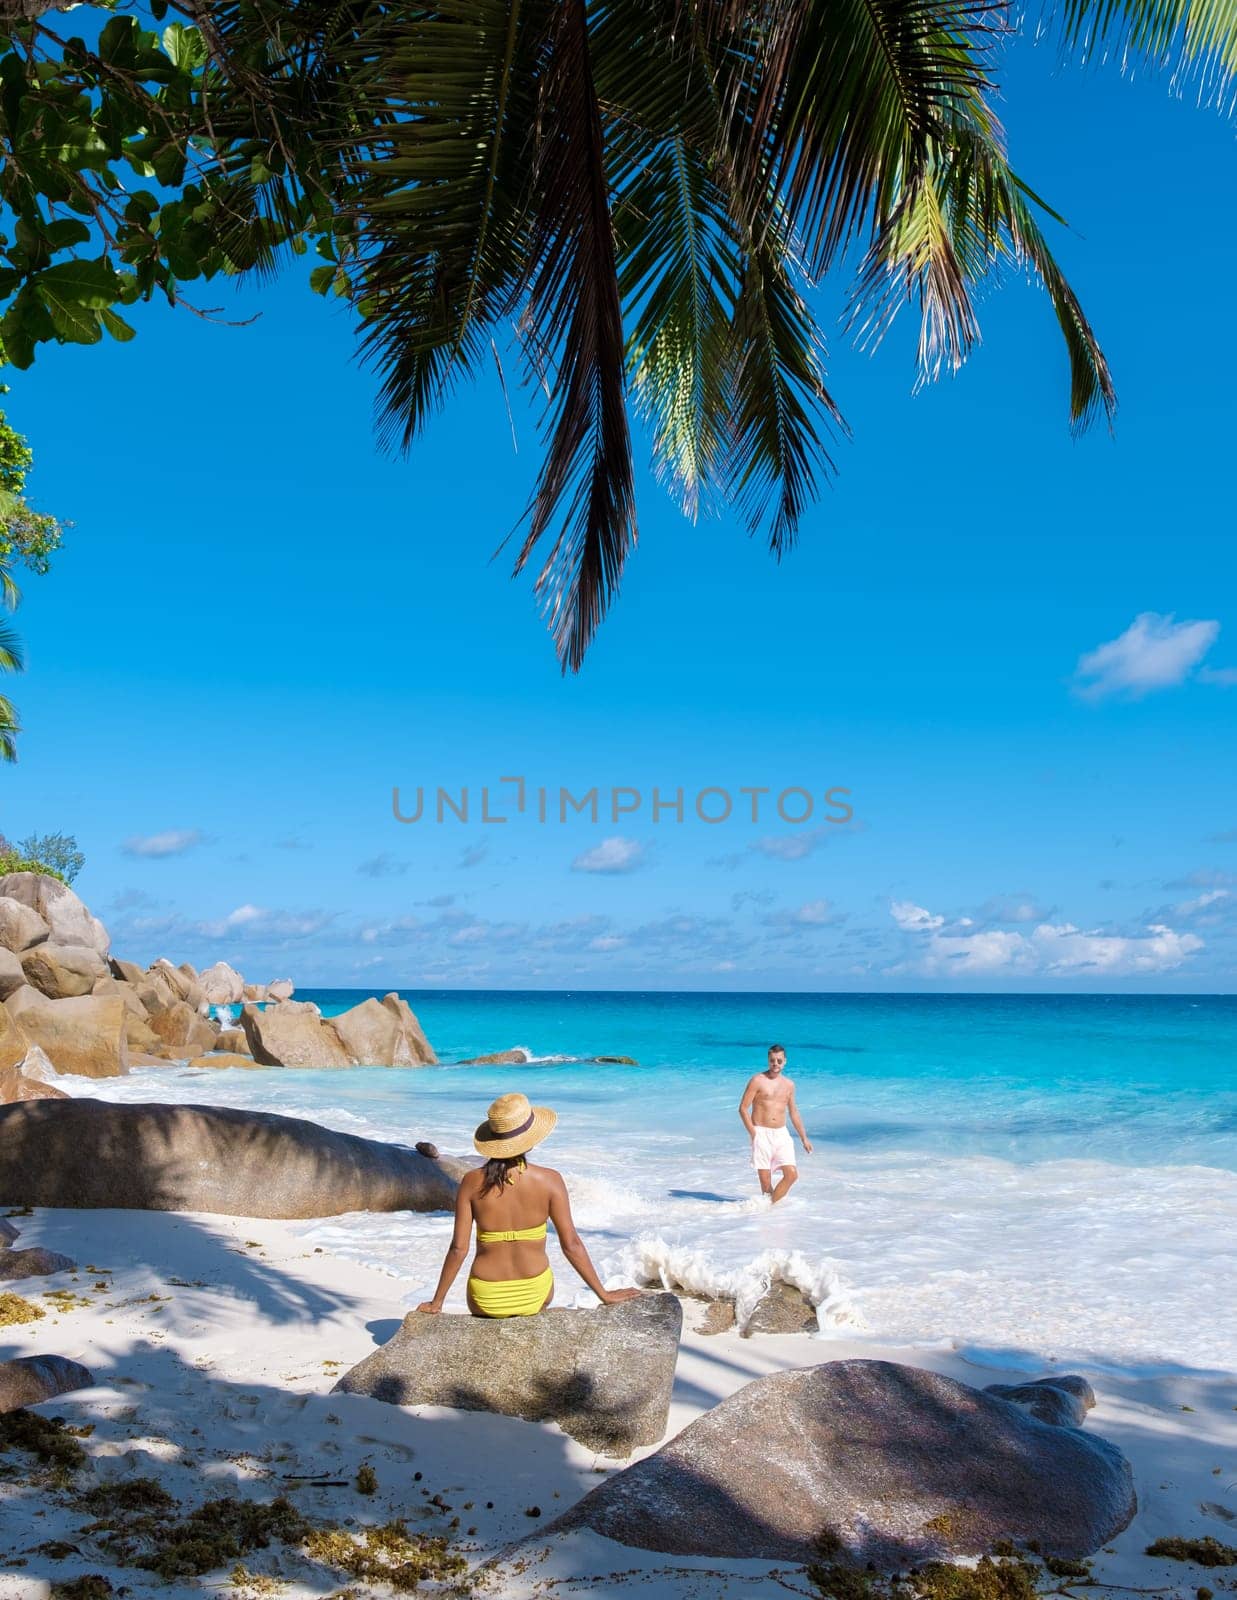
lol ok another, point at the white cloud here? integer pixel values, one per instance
(812, 914)
(912, 918)
(1154, 652)
(257, 922)
(172, 843)
(1050, 950)
(611, 855)
(1222, 677)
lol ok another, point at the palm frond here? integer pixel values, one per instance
(847, 99)
(12, 656)
(574, 304)
(1195, 40)
(679, 275)
(10, 727)
(775, 449)
(443, 192)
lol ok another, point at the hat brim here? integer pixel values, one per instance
(496, 1146)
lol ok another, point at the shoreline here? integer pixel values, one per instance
(216, 1340)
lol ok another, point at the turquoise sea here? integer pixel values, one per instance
(1042, 1175)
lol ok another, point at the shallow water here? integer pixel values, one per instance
(1051, 1176)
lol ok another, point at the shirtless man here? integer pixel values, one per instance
(763, 1108)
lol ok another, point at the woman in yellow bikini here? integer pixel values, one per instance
(510, 1202)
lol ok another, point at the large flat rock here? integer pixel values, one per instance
(29, 1380)
(894, 1464)
(83, 1152)
(603, 1376)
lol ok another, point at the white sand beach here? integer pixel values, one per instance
(216, 1341)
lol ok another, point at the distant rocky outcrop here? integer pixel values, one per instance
(376, 1033)
(603, 1376)
(17, 1085)
(91, 1153)
(66, 918)
(61, 971)
(887, 1464)
(20, 925)
(498, 1058)
(85, 1034)
(30, 1380)
(90, 1012)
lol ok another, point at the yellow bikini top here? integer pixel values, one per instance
(510, 1235)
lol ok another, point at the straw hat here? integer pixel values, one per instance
(512, 1127)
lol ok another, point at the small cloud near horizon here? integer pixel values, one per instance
(157, 846)
(473, 855)
(612, 856)
(383, 865)
(1155, 652)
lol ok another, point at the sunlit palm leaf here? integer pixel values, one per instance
(1195, 39)
(776, 451)
(586, 481)
(12, 656)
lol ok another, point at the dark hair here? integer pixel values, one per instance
(777, 1049)
(497, 1172)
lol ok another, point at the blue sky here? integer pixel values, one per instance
(260, 627)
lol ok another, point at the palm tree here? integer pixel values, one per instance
(644, 191)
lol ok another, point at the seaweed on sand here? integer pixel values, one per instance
(46, 1438)
(1008, 1577)
(387, 1554)
(13, 1309)
(1206, 1552)
(215, 1533)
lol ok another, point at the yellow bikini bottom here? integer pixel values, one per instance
(512, 1297)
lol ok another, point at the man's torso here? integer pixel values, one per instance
(771, 1101)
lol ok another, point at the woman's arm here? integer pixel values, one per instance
(572, 1245)
(457, 1250)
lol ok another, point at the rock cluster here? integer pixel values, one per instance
(29, 1380)
(34, 1262)
(68, 1006)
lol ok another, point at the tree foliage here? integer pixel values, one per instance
(637, 193)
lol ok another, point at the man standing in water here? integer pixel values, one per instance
(769, 1096)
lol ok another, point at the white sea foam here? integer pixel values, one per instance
(1079, 1259)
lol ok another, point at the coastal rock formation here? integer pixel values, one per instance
(84, 1035)
(281, 989)
(1063, 1402)
(894, 1465)
(67, 919)
(17, 1085)
(499, 1058)
(91, 1153)
(604, 1376)
(233, 1040)
(782, 1309)
(20, 925)
(126, 971)
(414, 1040)
(7, 1233)
(29, 1380)
(13, 1042)
(291, 1038)
(383, 1033)
(33, 1263)
(255, 992)
(222, 985)
(183, 981)
(226, 1058)
(61, 971)
(180, 1026)
(12, 973)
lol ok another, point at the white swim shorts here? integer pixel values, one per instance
(772, 1149)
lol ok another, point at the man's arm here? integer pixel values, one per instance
(798, 1123)
(745, 1108)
